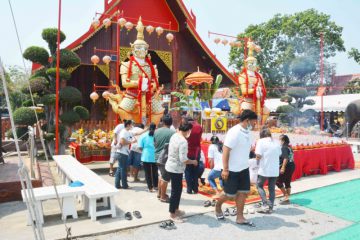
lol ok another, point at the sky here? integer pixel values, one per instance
(228, 17)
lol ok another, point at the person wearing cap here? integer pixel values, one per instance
(235, 172)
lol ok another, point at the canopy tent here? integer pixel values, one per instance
(331, 103)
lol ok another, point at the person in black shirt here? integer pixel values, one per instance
(287, 168)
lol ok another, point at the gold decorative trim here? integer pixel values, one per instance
(105, 68)
(71, 69)
(124, 53)
(181, 75)
(166, 57)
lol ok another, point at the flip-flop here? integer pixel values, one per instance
(128, 216)
(233, 212)
(207, 203)
(163, 225)
(111, 174)
(285, 202)
(137, 214)
(247, 223)
(226, 212)
(170, 225)
(167, 200)
(219, 216)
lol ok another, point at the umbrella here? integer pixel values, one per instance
(223, 104)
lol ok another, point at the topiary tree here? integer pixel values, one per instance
(43, 83)
(82, 112)
(24, 116)
(37, 55)
(50, 36)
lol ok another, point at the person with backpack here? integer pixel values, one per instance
(162, 138)
(287, 168)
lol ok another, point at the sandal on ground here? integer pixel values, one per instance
(128, 216)
(111, 174)
(207, 203)
(285, 202)
(163, 224)
(226, 212)
(247, 223)
(137, 214)
(170, 225)
(219, 216)
(233, 212)
(166, 200)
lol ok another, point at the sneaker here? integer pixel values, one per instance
(264, 209)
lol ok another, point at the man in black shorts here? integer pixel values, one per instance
(235, 173)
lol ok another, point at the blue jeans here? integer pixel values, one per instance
(121, 173)
(212, 176)
(271, 186)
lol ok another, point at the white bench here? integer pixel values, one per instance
(66, 193)
(98, 192)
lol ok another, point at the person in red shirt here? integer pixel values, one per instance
(194, 153)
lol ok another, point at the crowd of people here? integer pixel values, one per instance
(171, 155)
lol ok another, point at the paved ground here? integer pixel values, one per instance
(287, 222)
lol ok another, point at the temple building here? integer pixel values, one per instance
(175, 60)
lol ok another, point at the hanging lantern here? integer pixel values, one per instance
(238, 44)
(217, 40)
(95, 23)
(129, 26)
(94, 96)
(106, 59)
(107, 22)
(121, 22)
(106, 95)
(225, 42)
(170, 37)
(95, 59)
(232, 44)
(159, 31)
(150, 29)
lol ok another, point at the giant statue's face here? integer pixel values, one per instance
(251, 65)
(140, 51)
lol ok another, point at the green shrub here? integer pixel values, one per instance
(49, 99)
(37, 55)
(67, 59)
(70, 95)
(24, 116)
(38, 85)
(285, 109)
(40, 73)
(27, 103)
(82, 111)
(50, 36)
(21, 133)
(69, 118)
(297, 92)
(286, 98)
(62, 73)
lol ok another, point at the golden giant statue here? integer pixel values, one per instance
(141, 101)
(253, 91)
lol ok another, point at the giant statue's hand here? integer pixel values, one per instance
(144, 86)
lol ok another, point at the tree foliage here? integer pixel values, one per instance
(37, 55)
(70, 95)
(67, 58)
(352, 86)
(355, 54)
(63, 74)
(82, 112)
(291, 47)
(24, 116)
(50, 36)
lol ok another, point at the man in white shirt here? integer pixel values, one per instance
(123, 141)
(235, 172)
(267, 152)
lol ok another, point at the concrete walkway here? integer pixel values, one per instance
(13, 215)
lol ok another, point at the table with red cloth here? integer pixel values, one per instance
(313, 161)
(85, 154)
